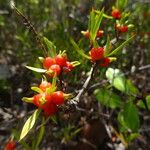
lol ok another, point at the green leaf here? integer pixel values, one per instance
(121, 4)
(41, 134)
(50, 47)
(122, 124)
(54, 81)
(36, 89)
(27, 99)
(29, 124)
(112, 73)
(75, 63)
(107, 46)
(132, 136)
(107, 16)
(130, 88)
(80, 51)
(121, 46)
(107, 98)
(118, 80)
(39, 70)
(131, 117)
(119, 83)
(141, 103)
(41, 59)
(51, 90)
(94, 22)
(148, 100)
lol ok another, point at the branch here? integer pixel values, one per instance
(85, 85)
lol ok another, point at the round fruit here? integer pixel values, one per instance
(99, 33)
(36, 100)
(48, 62)
(54, 69)
(124, 29)
(44, 85)
(105, 62)
(97, 53)
(116, 13)
(68, 67)
(40, 99)
(61, 60)
(10, 145)
(58, 97)
(49, 108)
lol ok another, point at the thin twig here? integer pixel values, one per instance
(144, 67)
(85, 85)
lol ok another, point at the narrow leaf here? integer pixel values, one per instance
(39, 70)
(29, 124)
(75, 63)
(121, 4)
(107, 47)
(121, 46)
(80, 51)
(41, 134)
(36, 89)
(51, 90)
(50, 47)
(27, 99)
(107, 16)
(54, 81)
(95, 21)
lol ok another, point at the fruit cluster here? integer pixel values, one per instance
(116, 13)
(57, 65)
(48, 98)
(97, 55)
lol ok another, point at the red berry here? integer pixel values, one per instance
(10, 145)
(104, 62)
(116, 13)
(60, 60)
(49, 107)
(55, 69)
(97, 53)
(68, 67)
(124, 29)
(58, 97)
(48, 62)
(36, 100)
(99, 33)
(44, 85)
